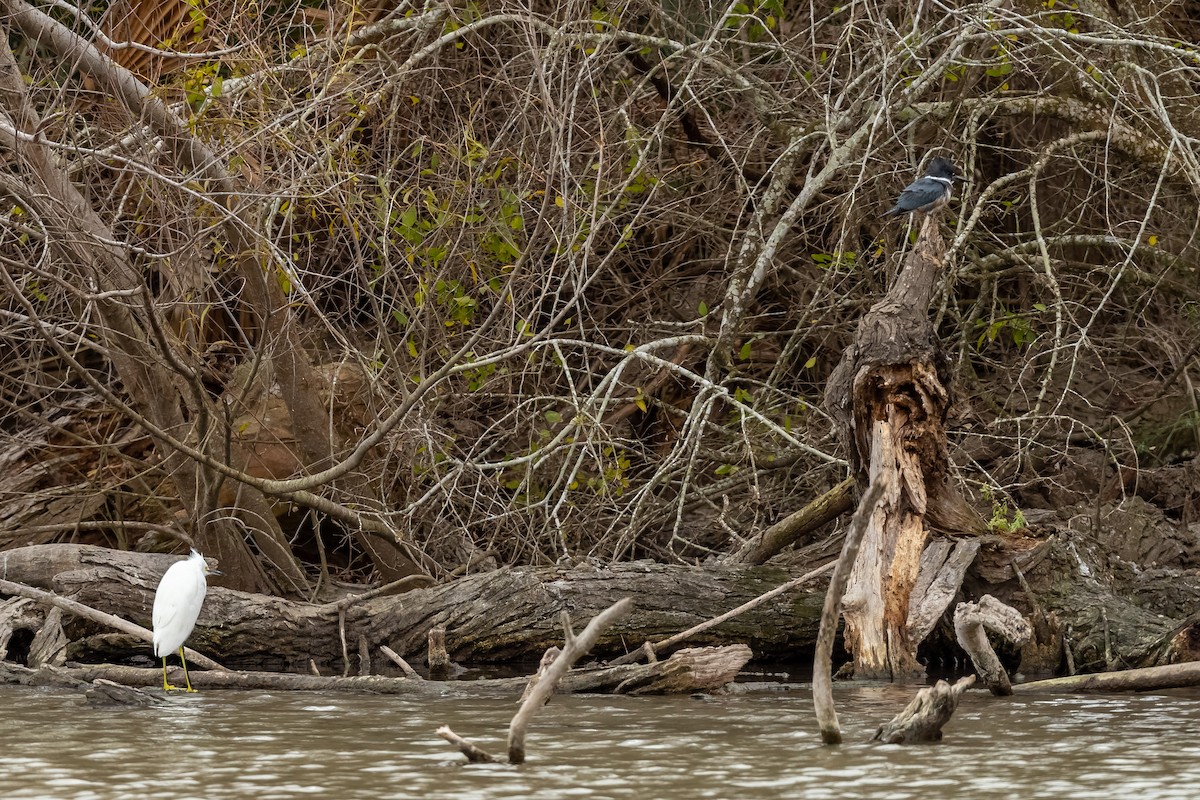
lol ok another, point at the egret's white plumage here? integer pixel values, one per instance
(176, 606)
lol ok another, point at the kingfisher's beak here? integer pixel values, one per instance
(959, 179)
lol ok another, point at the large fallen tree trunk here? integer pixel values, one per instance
(504, 615)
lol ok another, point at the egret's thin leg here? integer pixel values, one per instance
(166, 686)
(186, 679)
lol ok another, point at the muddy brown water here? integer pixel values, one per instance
(268, 746)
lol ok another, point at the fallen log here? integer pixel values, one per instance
(87, 612)
(650, 650)
(508, 614)
(1145, 679)
(818, 513)
(685, 672)
(1110, 588)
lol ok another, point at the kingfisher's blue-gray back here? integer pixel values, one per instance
(928, 193)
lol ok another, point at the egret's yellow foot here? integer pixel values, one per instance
(166, 686)
(186, 679)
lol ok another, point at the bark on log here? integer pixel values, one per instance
(1146, 679)
(971, 623)
(922, 719)
(1119, 585)
(890, 396)
(503, 615)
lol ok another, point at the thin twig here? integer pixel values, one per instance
(670, 641)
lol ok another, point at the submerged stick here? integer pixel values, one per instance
(475, 755)
(573, 648)
(923, 718)
(823, 658)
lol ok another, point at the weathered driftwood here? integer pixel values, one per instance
(972, 621)
(395, 658)
(555, 664)
(97, 692)
(107, 693)
(18, 614)
(889, 396)
(574, 647)
(693, 669)
(50, 643)
(502, 615)
(543, 665)
(436, 657)
(685, 672)
(821, 511)
(1146, 679)
(474, 754)
(922, 719)
(827, 720)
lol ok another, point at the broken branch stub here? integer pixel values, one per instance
(923, 718)
(971, 623)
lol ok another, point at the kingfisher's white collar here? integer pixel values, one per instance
(941, 180)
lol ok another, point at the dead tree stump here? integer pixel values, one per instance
(890, 396)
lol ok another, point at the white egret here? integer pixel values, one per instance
(176, 606)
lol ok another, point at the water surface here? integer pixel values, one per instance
(269, 746)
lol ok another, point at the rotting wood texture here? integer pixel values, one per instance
(890, 395)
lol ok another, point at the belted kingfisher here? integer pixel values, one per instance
(930, 192)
